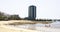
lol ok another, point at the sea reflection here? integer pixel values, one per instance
(38, 25)
(30, 26)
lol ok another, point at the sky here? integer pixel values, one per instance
(46, 9)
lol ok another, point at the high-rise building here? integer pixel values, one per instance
(32, 12)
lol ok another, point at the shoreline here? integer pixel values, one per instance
(6, 28)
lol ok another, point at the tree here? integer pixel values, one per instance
(14, 17)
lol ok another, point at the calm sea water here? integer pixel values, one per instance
(55, 24)
(34, 26)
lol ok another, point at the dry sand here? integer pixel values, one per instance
(5, 28)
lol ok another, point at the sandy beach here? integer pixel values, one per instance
(6, 28)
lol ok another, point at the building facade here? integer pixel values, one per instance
(32, 12)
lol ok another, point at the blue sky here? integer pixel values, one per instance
(49, 9)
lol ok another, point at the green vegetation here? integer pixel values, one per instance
(4, 16)
(14, 17)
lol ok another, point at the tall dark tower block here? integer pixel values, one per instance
(32, 12)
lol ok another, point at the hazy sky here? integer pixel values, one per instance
(45, 8)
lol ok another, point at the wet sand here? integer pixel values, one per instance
(7, 28)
